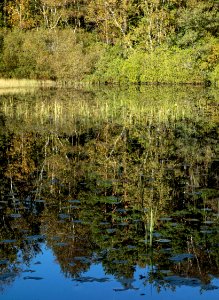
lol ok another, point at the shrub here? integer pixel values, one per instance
(108, 67)
(48, 54)
(214, 76)
(170, 66)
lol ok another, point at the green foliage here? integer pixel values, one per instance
(132, 67)
(163, 65)
(46, 54)
(150, 41)
(214, 76)
(108, 67)
(170, 66)
(197, 21)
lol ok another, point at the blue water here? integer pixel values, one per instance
(54, 285)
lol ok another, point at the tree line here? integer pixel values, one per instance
(119, 31)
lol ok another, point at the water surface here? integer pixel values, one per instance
(109, 192)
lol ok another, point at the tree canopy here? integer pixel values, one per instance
(134, 25)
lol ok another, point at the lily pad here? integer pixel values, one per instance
(75, 201)
(29, 271)
(91, 279)
(35, 237)
(15, 216)
(192, 220)
(180, 281)
(206, 231)
(61, 244)
(121, 210)
(163, 241)
(32, 278)
(104, 223)
(82, 259)
(181, 257)
(120, 290)
(111, 230)
(7, 241)
(75, 207)
(120, 262)
(40, 201)
(123, 224)
(63, 216)
(111, 199)
(77, 221)
(208, 222)
(166, 219)
(156, 234)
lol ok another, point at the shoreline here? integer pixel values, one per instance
(24, 83)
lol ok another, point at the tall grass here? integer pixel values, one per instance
(64, 111)
(24, 83)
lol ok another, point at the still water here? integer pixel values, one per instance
(109, 193)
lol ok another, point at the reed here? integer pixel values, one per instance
(67, 110)
(24, 83)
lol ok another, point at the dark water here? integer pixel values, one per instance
(109, 193)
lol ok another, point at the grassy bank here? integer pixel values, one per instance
(14, 85)
(24, 83)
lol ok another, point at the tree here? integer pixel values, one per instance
(154, 24)
(20, 14)
(110, 18)
(197, 20)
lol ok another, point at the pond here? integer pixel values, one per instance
(109, 192)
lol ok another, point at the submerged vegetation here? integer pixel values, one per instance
(110, 176)
(153, 41)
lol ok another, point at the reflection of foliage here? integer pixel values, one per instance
(71, 241)
(20, 161)
(20, 242)
(98, 186)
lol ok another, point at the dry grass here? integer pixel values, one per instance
(24, 83)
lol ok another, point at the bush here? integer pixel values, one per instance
(163, 65)
(132, 67)
(47, 54)
(108, 67)
(170, 66)
(214, 76)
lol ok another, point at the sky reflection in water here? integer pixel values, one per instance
(54, 285)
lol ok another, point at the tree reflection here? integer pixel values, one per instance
(112, 192)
